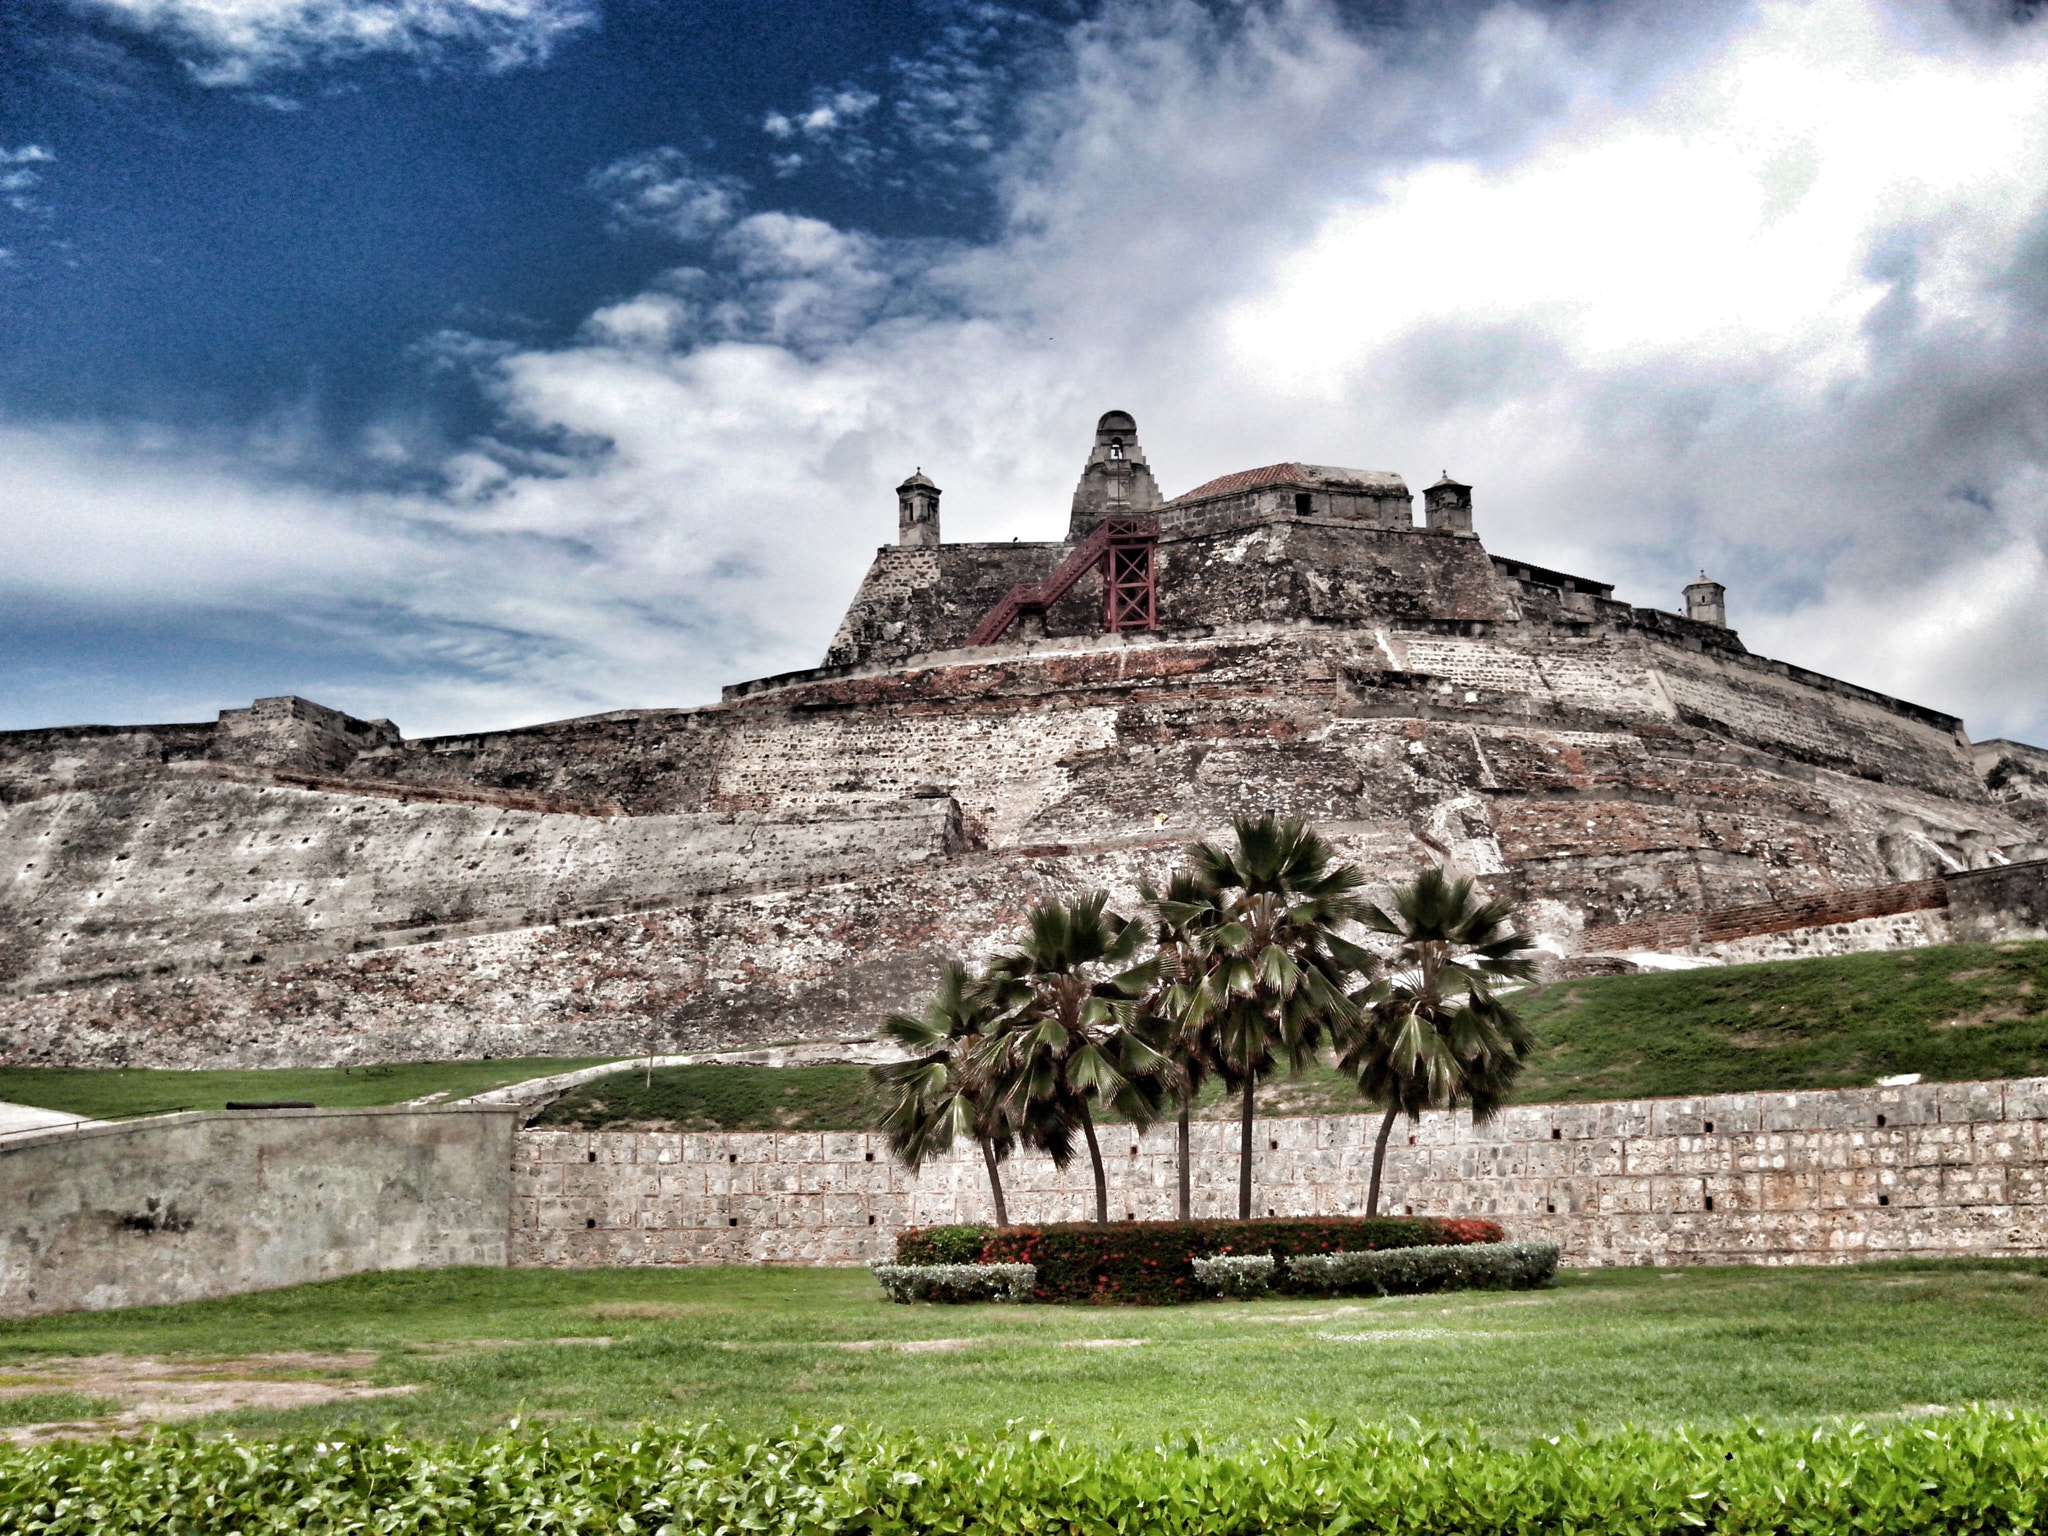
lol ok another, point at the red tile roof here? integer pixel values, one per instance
(1248, 480)
(1319, 475)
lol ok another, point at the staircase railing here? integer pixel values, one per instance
(1124, 546)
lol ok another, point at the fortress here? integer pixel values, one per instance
(992, 724)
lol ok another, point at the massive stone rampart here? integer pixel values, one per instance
(289, 883)
(1769, 1178)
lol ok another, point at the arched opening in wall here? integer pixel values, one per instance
(1116, 448)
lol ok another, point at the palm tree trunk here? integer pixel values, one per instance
(1244, 1153)
(995, 1182)
(1095, 1160)
(1379, 1160)
(1183, 1205)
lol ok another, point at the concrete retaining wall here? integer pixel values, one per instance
(187, 1206)
(1824, 1177)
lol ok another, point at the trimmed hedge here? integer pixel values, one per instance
(955, 1282)
(1966, 1474)
(1479, 1266)
(941, 1245)
(1153, 1262)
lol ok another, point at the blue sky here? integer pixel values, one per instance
(474, 362)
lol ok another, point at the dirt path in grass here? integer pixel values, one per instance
(151, 1391)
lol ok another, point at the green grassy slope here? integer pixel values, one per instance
(116, 1091)
(1952, 1013)
(716, 1098)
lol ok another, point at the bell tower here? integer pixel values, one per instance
(1116, 481)
(1447, 506)
(917, 512)
(1706, 602)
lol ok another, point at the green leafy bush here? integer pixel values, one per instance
(1480, 1266)
(1956, 1475)
(1153, 1262)
(941, 1245)
(1243, 1275)
(956, 1282)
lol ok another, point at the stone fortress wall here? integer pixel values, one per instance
(187, 1206)
(181, 1207)
(1775, 1178)
(291, 885)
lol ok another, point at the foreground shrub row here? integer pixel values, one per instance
(1154, 1261)
(1965, 1473)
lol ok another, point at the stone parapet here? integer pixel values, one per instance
(1769, 1178)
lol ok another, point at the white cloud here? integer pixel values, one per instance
(1763, 287)
(19, 177)
(661, 189)
(829, 113)
(235, 42)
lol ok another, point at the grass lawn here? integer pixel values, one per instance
(760, 1347)
(108, 1093)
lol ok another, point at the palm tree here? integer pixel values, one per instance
(1434, 1035)
(1179, 1007)
(944, 1091)
(1271, 913)
(1065, 1035)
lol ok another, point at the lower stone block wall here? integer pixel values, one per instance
(1820, 1177)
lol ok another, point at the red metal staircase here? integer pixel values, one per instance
(1125, 548)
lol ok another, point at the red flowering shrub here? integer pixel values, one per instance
(1152, 1262)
